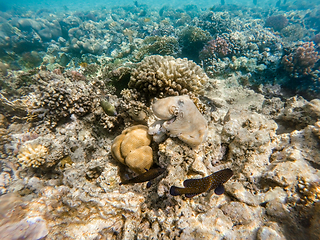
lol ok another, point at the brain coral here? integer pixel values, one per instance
(132, 148)
(167, 76)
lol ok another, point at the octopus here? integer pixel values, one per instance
(178, 117)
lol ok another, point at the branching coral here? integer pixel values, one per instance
(216, 48)
(165, 76)
(302, 60)
(59, 99)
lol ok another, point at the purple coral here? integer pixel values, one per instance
(217, 48)
(277, 22)
(302, 60)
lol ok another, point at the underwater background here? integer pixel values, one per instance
(160, 119)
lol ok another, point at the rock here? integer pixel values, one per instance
(240, 213)
(267, 233)
(237, 190)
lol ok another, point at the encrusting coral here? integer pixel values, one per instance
(179, 117)
(167, 76)
(132, 148)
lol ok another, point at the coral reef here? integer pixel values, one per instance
(132, 148)
(217, 48)
(277, 22)
(178, 117)
(158, 76)
(60, 97)
(194, 38)
(64, 99)
(162, 45)
(302, 60)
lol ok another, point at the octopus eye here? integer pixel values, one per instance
(173, 111)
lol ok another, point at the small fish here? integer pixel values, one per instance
(147, 176)
(108, 108)
(83, 64)
(193, 187)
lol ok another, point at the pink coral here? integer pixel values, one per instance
(302, 60)
(217, 48)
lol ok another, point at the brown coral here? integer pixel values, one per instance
(217, 48)
(302, 60)
(167, 76)
(132, 148)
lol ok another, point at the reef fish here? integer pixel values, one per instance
(147, 176)
(193, 187)
(108, 108)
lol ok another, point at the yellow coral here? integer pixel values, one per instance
(32, 155)
(132, 148)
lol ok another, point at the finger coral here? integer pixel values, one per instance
(132, 148)
(217, 48)
(167, 76)
(179, 117)
(32, 155)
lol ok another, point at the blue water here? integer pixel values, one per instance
(70, 32)
(89, 5)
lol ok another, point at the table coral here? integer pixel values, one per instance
(179, 117)
(167, 76)
(132, 148)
